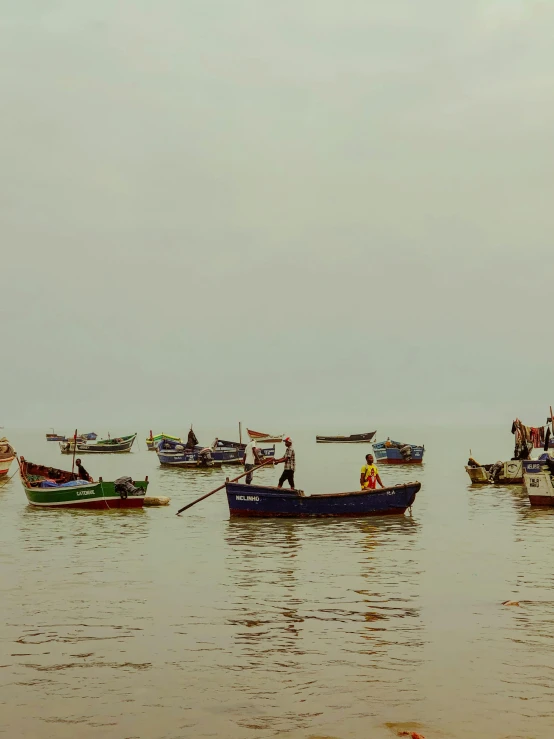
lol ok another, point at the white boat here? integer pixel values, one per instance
(7, 456)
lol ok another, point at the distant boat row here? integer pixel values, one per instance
(82, 437)
(386, 452)
(536, 475)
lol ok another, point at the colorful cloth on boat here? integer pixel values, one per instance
(370, 472)
(290, 459)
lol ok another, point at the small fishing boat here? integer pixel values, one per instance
(352, 439)
(171, 454)
(256, 500)
(537, 479)
(55, 437)
(395, 452)
(7, 456)
(268, 438)
(152, 441)
(499, 473)
(232, 452)
(104, 446)
(49, 487)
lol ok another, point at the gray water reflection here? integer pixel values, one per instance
(305, 642)
(144, 624)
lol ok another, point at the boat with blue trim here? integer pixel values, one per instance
(396, 452)
(269, 502)
(177, 454)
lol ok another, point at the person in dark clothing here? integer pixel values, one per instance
(82, 474)
(290, 464)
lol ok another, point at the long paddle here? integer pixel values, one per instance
(194, 502)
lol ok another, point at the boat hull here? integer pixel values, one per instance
(538, 483)
(7, 456)
(220, 456)
(101, 447)
(510, 474)
(152, 441)
(5, 465)
(352, 439)
(267, 438)
(413, 454)
(270, 502)
(98, 495)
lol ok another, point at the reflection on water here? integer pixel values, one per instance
(140, 623)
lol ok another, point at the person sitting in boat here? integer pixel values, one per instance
(369, 474)
(82, 474)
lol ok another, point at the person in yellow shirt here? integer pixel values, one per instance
(369, 474)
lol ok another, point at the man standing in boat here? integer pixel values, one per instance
(82, 473)
(369, 474)
(290, 464)
(251, 458)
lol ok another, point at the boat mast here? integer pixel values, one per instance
(74, 450)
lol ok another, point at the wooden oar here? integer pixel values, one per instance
(194, 502)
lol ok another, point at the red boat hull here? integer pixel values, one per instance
(542, 500)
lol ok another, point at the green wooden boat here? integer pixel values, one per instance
(48, 487)
(117, 445)
(152, 441)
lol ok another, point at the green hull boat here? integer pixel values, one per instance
(48, 487)
(152, 441)
(104, 446)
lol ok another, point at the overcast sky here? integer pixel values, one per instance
(304, 211)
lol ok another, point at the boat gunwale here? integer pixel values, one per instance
(295, 493)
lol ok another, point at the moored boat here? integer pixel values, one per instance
(232, 452)
(153, 440)
(55, 437)
(117, 445)
(396, 452)
(352, 439)
(258, 501)
(267, 438)
(7, 456)
(537, 480)
(49, 487)
(171, 454)
(499, 473)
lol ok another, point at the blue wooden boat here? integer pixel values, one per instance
(255, 500)
(396, 452)
(186, 458)
(232, 452)
(176, 454)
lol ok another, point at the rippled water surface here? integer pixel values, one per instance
(144, 624)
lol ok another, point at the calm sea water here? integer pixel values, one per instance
(142, 624)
